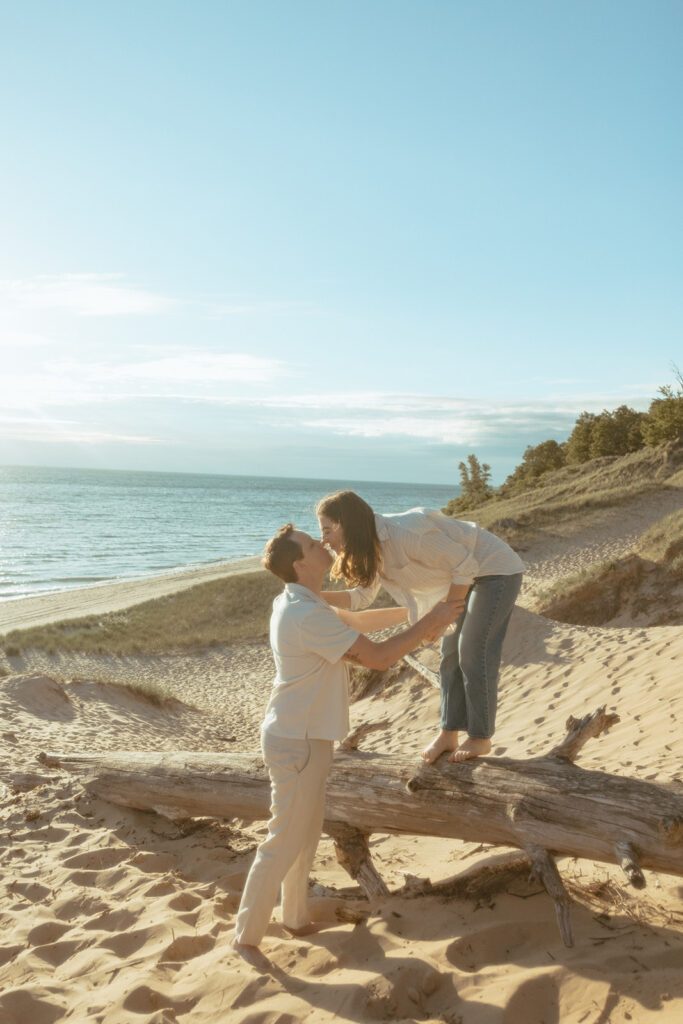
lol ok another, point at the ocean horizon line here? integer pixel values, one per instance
(238, 476)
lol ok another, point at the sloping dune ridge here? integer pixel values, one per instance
(117, 916)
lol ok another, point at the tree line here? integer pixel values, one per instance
(594, 435)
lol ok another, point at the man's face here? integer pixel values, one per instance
(315, 554)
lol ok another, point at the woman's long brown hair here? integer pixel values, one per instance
(359, 562)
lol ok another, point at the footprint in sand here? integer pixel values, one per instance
(78, 906)
(535, 999)
(8, 953)
(153, 862)
(56, 953)
(499, 944)
(162, 888)
(146, 1000)
(32, 891)
(185, 901)
(30, 1004)
(97, 860)
(127, 943)
(187, 947)
(50, 931)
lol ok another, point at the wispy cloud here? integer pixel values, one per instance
(56, 431)
(104, 295)
(438, 420)
(183, 374)
(192, 367)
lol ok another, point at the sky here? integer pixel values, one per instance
(333, 239)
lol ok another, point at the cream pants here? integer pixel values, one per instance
(298, 772)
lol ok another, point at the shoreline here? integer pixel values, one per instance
(111, 596)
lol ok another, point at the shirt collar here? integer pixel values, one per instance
(298, 590)
(382, 527)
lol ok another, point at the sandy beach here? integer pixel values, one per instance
(118, 916)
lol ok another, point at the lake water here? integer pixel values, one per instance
(64, 528)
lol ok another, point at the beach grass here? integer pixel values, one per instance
(663, 542)
(208, 615)
(646, 581)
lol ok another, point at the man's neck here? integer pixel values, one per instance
(311, 582)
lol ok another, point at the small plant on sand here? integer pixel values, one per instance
(149, 690)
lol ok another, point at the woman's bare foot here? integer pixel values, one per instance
(469, 749)
(252, 954)
(446, 740)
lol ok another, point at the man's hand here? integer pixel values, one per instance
(383, 653)
(440, 617)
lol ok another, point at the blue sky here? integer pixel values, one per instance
(334, 239)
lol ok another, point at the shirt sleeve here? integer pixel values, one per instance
(324, 633)
(362, 597)
(437, 549)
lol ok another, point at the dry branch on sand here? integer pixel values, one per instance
(544, 806)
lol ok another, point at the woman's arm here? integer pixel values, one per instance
(380, 654)
(374, 619)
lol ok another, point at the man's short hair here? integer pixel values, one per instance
(281, 553)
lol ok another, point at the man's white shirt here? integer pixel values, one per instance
(310, 697)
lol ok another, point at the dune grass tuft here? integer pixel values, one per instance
(149, 690)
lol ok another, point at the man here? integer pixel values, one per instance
(307, 711)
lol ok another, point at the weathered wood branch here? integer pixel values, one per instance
(544, 868)
(546, 806)
(356, 735)
(580, 730)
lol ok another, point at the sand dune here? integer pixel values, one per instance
(117, 916)
(120, 916)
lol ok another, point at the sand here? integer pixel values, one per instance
(118, 916)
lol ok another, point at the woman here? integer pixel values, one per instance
(421, 557)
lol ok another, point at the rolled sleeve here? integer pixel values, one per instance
(362, 597)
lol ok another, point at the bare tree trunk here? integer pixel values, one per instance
(545, 806)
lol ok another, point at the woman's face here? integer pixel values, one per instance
(331, 533)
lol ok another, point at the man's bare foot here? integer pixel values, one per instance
(446, 740)
(252, 955)
(469, 749)
(309, 929)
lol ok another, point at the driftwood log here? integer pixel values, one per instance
(545, 806)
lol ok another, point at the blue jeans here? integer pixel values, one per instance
(470, 657)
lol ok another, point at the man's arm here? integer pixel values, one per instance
(381, 654)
